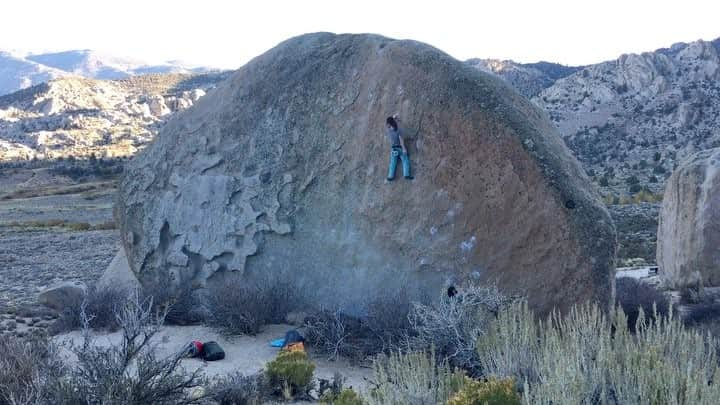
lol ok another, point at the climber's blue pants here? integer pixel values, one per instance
(396, 153)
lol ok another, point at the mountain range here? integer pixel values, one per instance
(19, 71)
(629, 120)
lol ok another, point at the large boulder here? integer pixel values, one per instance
(688, 241)
(280, 172)
(66, 294)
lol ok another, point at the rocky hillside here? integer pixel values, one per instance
(78, 117)
(22, 71)
(528, 78)
(630, 120)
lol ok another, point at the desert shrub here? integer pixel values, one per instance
(239, 389)
(632, 180)
(333, 392)
(587, 357)
(509, 347)
(30, 370)
(330, 389)
(453, 325)
(384, 328)
(79, 226)
(692, 294)
(335, 334)
(632, 295)
(388, 321)
(290, 374)
(346, 397)
(703, 313)
(239, 307)
(493, 391)
(183, 306)
(645, 195)
(99, 305)
(107, 225)
(131, 372)
(704, 317)
(412, 378)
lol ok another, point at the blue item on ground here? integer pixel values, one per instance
(277, 342)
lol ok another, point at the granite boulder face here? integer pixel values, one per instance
(688, 243)
(280, 172)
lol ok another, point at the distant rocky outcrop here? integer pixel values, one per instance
(17, 73)
(689, 229)
(280, 172)
(637, 116)
(20, 71)
(527, 78)
(77, 117)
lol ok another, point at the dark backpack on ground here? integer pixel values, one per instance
(293, 336)
(212, 351)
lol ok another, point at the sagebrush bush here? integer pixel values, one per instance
(30, 370)
(183, 306)
(291, 374)
(632, 295)
(243, 308)
(453, 325)
(239, 389)
(384, 328)
(346, 397)
(509, 346)
(704, 317)
(412, 378)
(100, 305)
(589, 357)
(128, 373)
(490, 392)
(131, 372)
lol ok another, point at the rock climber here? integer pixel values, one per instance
(398, 149)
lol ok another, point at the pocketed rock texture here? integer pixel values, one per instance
(688, 244)
(280, 172)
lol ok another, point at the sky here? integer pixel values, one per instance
(228, 33)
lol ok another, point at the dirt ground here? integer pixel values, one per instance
(52, 229)
(246, 354)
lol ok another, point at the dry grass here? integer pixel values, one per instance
(384, 328)
(588, 357)
(243, 308)
(64, 224)
(453, 325)
(85, 188)
(413, 378)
